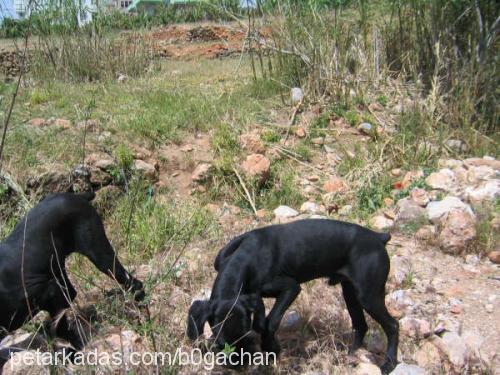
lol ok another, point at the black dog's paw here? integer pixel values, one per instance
(271, 346)
(388, 366)
(137, 289)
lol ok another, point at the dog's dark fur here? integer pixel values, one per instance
(32, 261)
(272, 262)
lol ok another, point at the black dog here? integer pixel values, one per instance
(32, 272)
(273, 261)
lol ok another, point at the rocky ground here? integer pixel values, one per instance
(444, 221)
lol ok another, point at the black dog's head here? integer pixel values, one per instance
(230, 320)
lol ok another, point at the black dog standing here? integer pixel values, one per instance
(32, 260)
(273, 261)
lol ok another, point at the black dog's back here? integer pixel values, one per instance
(307, 249)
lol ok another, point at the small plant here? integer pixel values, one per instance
(270, 136)
(382, 100)
(228, 349)
(125, 157)
(39, 96)
(352, 118)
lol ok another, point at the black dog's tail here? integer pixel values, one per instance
(384, 237)
(227, 251)
(88, 195)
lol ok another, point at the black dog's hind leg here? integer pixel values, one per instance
(285, 290)
(368, 277)
(356, 313)
(57, 298)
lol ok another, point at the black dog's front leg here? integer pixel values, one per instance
(109, 264)
(285, 290)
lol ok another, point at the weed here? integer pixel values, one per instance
(371, 196)
(124, 156)
(352, 118)
(271, 136)
(382, 100)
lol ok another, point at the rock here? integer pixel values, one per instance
(398, 301)
(367, 369)
(285, 212)
(121, 78)
(312, 208)
(419, 196)
(415, 328)
(366, 128)
(446, 324)
(146, 169)
(300, 132)
(428, 355)
(473, 342)
(406, 369)
(26, 363)
(313, 178)
(411, 177)
(291, 319)
(400, 269)
(99, 177)
(388, 202)
(408, 211)
(106, 198)
(455, 349)
(485, 192)
(90, 125)
(472, 259)
(458, 230)
(201, 172)
(486, 161)
(396, 172)
(437, 210)
(51, 182)
(489, 308)
(100, 160)
(381, 223)
(335, 185)
(25, 341)
(457, 145)
(445, 180)
(480, 173)
(494, 256)
(345, 210)
(125, 342)
(251, 142)
(187, 148)
(62, 123)
(426, 233)
(375, 342)
(257, 165)
(318, 141)
(38, 122)
(297, 95)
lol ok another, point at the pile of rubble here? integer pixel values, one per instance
(11, 63)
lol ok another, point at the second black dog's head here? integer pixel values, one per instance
(230, 320)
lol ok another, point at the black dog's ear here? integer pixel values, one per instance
(197, 317)
(250, 301)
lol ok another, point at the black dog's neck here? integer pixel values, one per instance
(231, 281)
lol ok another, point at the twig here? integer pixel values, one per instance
(18, 85)
(292, 119)
(249, 197)
(9, 181)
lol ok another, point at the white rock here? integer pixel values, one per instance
(367, 369)
(486, 191)
(381, 223)
(366, 128)
(406, 369)
(455, 349)
(345, 210)
(311, 208)
(438, 209)
(458, 230)
(446, 324)
(285, 212)
(409, 211)
(445, 180)
(28, 362)
(291, 319)
(297, 95)
(414, 327)
(400, 268)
